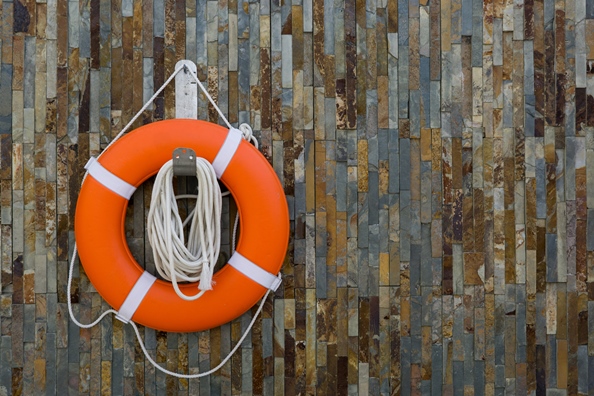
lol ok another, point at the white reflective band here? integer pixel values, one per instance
(227, 151)
(108, 179)
(254, 272)
(135, 297)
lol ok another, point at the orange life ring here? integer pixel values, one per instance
(104, 252)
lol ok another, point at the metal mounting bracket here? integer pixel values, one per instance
(184, 162)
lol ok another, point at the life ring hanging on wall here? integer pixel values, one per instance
(109, 264)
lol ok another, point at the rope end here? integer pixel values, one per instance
(206, 282)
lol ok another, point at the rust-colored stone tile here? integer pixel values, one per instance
(456, 163)
(426, 139)
(383, 100)
(549, 78)
(41, 22)
(414, 58)
(468, 233)
(62, 41)
(392, 8)
(510, 246)
(551, 199)
(341, 106)
(473, 268)
(18, 66)
(562, 364)
(29, 287)
(589, 38)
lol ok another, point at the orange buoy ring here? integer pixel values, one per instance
(104, 252)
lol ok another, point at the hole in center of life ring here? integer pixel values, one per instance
(135, 223)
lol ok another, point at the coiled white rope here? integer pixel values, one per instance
(173, 260)
(247, 132)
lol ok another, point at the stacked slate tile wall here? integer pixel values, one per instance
(438, 161)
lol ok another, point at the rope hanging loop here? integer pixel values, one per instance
(174, 260)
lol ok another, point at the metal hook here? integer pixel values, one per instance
(184, 162)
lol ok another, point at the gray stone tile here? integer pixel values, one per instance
(590, 238)
(477, 38)
(373, 198)
(403, 9)
(106, 339)
(458, 377)
(404, 151)
(363, 272)
(362, 221)
(28, 323)
(549, 14)
(329, 31)
(436, 369)
(589, 10)
(497, 42)
(426, 262)
(582, 369)
(84, 44)
(551, 350)
(73, 24)
(551, 257)
(416, 349)
(394, 81)
(466, 18)
(321, 284)
(405, 249)
(29, 74)
(415, 270)
(5, 367)
(590, 373)
(50, 363)
(469, 363)
(405, 351)
(394, 163)
(435, 98)
(62, 367)
(403, 92)
(6, 93)
(458, 268)
(117, 369)
(570, 162)
(521, 341)
(73, 338)
(541, 205)
(159, 18)
(414, 102)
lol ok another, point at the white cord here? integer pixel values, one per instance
(225, 360)
(246, 129)
(104, 314)
(173, 260)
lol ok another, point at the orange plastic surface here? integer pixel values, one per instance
(106, 258)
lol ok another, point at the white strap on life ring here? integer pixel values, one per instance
(227, 151)
(135, 297)
(108, 179)
(255, 272)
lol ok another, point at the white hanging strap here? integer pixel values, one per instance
(157, 92)
(210, 99)
(135, 297)
(227, 151)
(255, 272)
(108, 179)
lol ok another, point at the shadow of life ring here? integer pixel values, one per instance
(138, 295)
